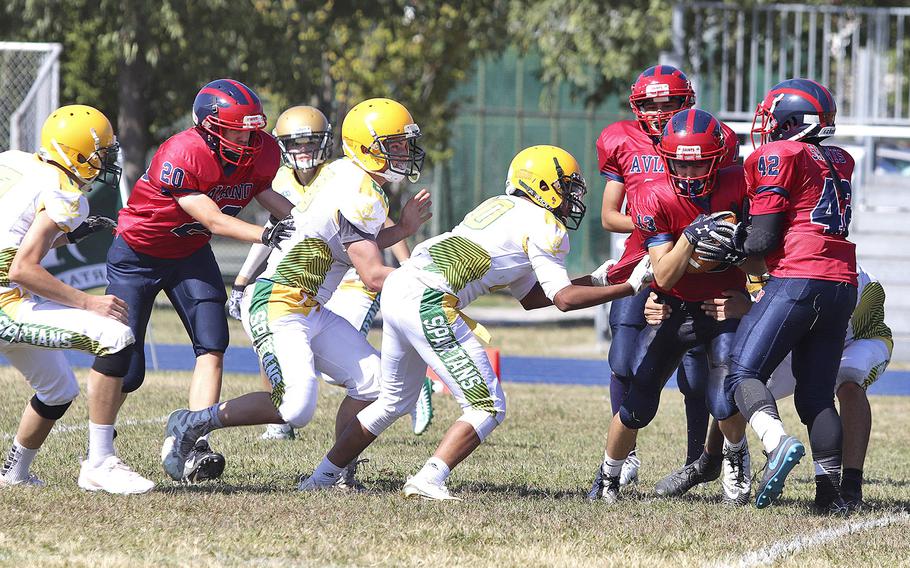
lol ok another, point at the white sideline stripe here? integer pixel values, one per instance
(771, 554)
(66, 428)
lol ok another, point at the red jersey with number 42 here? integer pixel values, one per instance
(153, 223)
(793, 178)
(627, 155)
(662, 215)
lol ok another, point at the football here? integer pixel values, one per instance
(697, 265)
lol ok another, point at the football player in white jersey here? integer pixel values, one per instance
(304, 135)
(339, 224)
(43, 205)
(867, 352)
(516, 241)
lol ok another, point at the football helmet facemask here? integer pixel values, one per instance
(795, 109)
(551, 178)
(380, 136)
(304, 136)
(80, 139)
(690, 139)
(228, 105)
(659, 93)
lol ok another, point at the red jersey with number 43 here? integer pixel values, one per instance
(153, 223)
(662, 215)
(627, 155)
(793, 178)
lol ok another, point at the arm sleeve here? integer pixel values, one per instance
(255, 262)
(547, 250)
(521, 287)
(350, 233)
(764, 234)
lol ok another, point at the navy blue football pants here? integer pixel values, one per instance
(193, 285)
(805, 316)
(659, 351)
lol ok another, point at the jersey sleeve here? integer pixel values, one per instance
(652, 222)
(547, 247)
(521, 287)
(267, 165)
(607, 147)
(772, 174)
(67, 208)
(365, 207)
(731, 143)
(173, 172)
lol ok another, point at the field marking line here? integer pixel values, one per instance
(67, 428)
(775, 552)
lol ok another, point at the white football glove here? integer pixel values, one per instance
(641, 275)
(234, 302)
(599, 276)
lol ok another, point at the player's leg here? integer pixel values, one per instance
(862, 362)
(691, 378)
(49, 374)
(196, 290)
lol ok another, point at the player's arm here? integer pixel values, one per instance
(367, 259)
(611, 216)
(669, 261)
(206, 211)
(414, 214)
(401, 250)
(26, 270)
(577, 295)
(275, 203)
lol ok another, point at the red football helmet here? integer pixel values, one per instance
(693, 147)
(663, 86)
(228, 105)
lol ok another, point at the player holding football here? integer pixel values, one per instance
(671, 214)
(304, 135)
(43, 205)
(800, 194)
(516, 241)
(339, 224)
(628, 158)
(196, 184)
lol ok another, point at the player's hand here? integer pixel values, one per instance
(92, 224)
(599, 276)
(733, 305)
(281, 230)
(109, 307)
(416, 212)
(234, 299)
(641, 275)
(721, 249)
(656, 312)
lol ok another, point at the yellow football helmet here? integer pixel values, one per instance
(305, 137)
(81, 140)
(551, 178)
(381, 137)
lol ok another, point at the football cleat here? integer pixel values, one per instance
(203, 464)
(182, 431)
(113, 476)
(781, 461)
(835, 506)
(422, 415)
(421, 488)
(31, 481)
(737, 477)
(605, 488)
(630, 467)
(310, 483)
(702, 470)
(278, 432)
(348, 480)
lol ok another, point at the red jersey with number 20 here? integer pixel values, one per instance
(153, 223)
(792, 177)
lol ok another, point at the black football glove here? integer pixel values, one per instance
(92, 224)
(703, 226)
(726, 244)
(279, 231)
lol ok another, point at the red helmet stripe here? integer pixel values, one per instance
(690, 121)
(824, 90)
(217, 93)
(803, 94)
(250, 96)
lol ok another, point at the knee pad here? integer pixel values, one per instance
(638, 419)
(752, 396)
(47, 411)
(115, 364)
(482, 421)
(297, 413)
(381, 414)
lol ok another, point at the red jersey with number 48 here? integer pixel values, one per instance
(627, 155)
(662, 215)
(793, 178)
(153, 223)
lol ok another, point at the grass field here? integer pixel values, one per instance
(523, 495)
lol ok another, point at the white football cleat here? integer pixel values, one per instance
(419, 487)
(30, 481)
(737, 475)
(113, 476)
(630, 467)
(309, 484)
(278, 432)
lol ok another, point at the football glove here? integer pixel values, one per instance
(599, 276)
(726, 245)
(92, 224)
(641, 275)
(279, 231)
(233, 304)
(703, 226)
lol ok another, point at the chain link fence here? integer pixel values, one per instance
(29, 79)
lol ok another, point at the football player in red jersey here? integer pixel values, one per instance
(628, 158)
(196, 184)
(801, 208)
(670, 213)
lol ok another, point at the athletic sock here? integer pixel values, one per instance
(735, 446)
(435, 471)
(18, 461)
(327, 473)
(852, 481)
(213, 421)
(611, 467)
(769, 429)
(100, 443)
